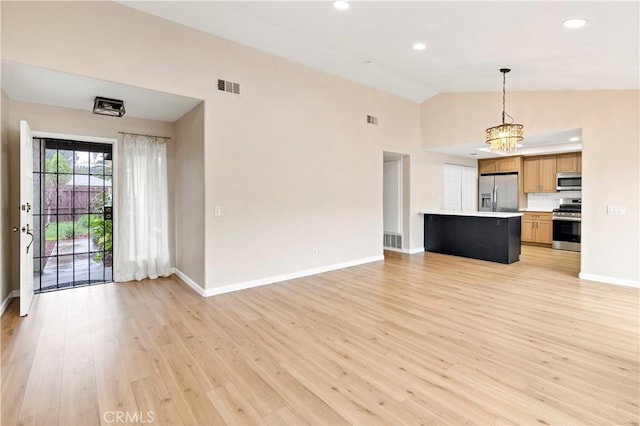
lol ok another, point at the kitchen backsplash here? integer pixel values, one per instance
(550, 201)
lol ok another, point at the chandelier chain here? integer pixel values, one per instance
(504, 94)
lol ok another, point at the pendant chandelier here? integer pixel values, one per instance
(504, 137)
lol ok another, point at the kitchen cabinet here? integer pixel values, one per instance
(487, 166)
(540, 174)
(500, 165)
(509, 164)
(537, 227)
(569, 163)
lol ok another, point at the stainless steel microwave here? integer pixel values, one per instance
(569, 182)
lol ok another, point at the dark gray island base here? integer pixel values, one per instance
(486, 236)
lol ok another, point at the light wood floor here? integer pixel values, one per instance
(420, 339)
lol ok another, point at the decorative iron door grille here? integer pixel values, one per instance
(73, 214)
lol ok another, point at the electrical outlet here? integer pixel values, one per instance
(617, 210)
(316, 252)
(217, 211)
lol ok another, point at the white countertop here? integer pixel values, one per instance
(476, 214)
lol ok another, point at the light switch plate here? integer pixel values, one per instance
(217, 211)
(617, 210)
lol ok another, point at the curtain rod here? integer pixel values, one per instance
(140, 134)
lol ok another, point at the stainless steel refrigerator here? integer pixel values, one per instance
(498, 193)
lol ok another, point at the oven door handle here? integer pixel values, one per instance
(567, 219)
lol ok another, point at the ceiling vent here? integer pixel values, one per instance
(110, 107)
(228, 86)
(372, 120)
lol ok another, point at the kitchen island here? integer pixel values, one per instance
(492, 236)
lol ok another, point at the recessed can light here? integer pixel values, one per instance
(574, 139)
(574, 23)
(341, 5)
(418, 45)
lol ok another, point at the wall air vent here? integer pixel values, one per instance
(372, 120)
(228, 86)
(392, 240)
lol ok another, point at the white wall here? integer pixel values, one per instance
(189, 184)
(392, 196)
(409, 214)
(45, 118)
(610, 160)
(5, 213)
(291, 160)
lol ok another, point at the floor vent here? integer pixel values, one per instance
(372, 120)
(228, 86)
(392, 240)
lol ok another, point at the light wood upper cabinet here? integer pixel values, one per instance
(509, 164)
(540, 174)
(487, 166)
(500, 165)
(548, 174)
(531, 175)
(569, 163)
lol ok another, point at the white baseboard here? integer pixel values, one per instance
(405, 251)
(609, 280)
(191, 283)
(278, 278)
(5, 302)
(397, 250)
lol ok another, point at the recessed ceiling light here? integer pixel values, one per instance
(473, 153)
(574, 23)
(574, 139)
(341, 5)
(418, 45)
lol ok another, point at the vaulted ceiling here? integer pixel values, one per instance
(466, 42)
(371, 43)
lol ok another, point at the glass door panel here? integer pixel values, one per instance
(72, 191)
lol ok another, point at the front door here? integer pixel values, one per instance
(73, 213)
(26, 218)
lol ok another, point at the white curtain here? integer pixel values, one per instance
(142, 241)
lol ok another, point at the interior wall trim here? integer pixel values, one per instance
(279, 278)
(416, 250)
(96, 139)
(405, 251)
(188, 281)
(5, 303)
(395, 249)
(609, 280)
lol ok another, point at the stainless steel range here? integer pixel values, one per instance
(566, 224)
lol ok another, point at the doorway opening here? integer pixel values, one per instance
(395, 196)
(72, 214)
